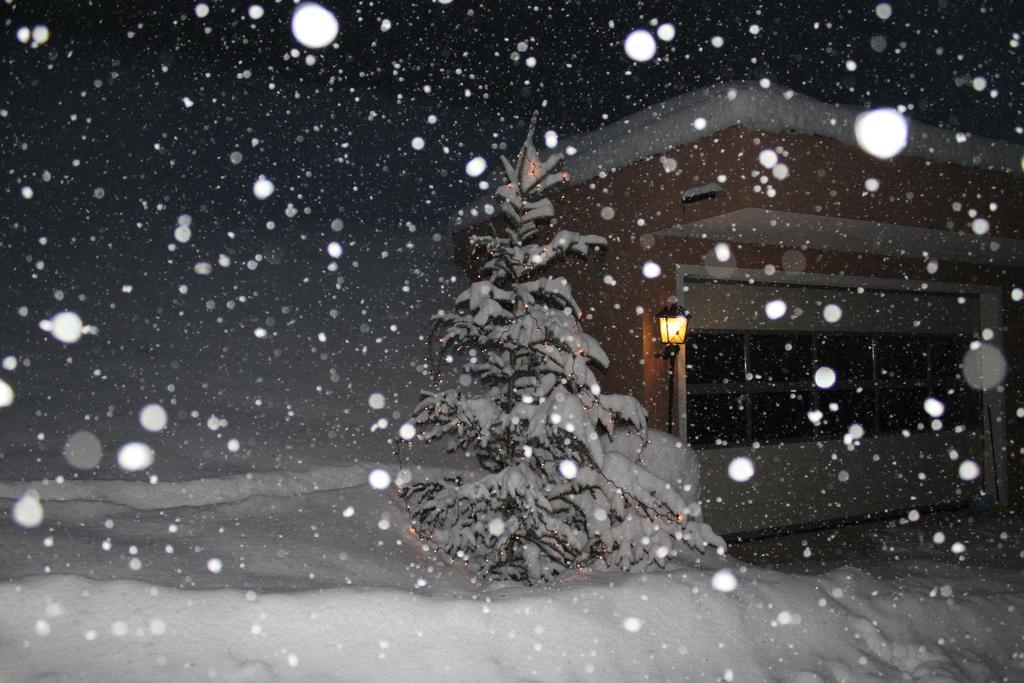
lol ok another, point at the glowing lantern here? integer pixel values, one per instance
(672, 323)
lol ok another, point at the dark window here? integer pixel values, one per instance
(849, 355)
(902, 408)
(716, 419)
(882, 383)
(842, 408)
(902, 357)
(778, 416)
(780, 357)
(947, 355)
(714, 358)
(963, 406)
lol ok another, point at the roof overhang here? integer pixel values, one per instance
(696, 115)
(829, 233)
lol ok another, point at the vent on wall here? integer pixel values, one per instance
(698, 194)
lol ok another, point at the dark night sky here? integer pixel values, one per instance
(337, 133)
(102, 103)
(95, 122)
(100, 108)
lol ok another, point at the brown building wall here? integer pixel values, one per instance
(825, 178)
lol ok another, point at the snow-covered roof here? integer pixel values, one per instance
(774, 109)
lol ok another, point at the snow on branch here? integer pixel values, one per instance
(523, 397)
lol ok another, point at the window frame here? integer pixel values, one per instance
(933, 383)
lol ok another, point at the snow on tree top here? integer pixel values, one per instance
(690, 117)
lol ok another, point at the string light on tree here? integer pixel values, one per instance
(517, 389)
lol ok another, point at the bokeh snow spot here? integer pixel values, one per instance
(724, 581)
(651, 270)
(934, 406)
(825, 377)
(496, 527)
(182, 234)
(640, 45)
(403, 477)
(786, 618)
(262, 188)
(632, 624)
(832, 313)
(568, 469)
(854, 433)
(984, 366)
(379, 479)
(723, 252)
(83, 450)
(376, 401)
(153, 417)
(475, 167)
(134, 456)
(314, 26)
(66, 327)
(38, 35)
(407, 431)
(214, 565)
(881, 132)
(6, 394)
(969, 470)
(768, 158)
(741, 469)
(28, 511)
(775, 309)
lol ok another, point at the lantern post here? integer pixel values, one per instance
(672, 323)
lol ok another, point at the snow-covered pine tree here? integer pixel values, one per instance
(523, 398)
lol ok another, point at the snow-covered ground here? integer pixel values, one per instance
(281, 328)
(314, 576)
(278, 561)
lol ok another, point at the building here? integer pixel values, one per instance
(795, 250)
